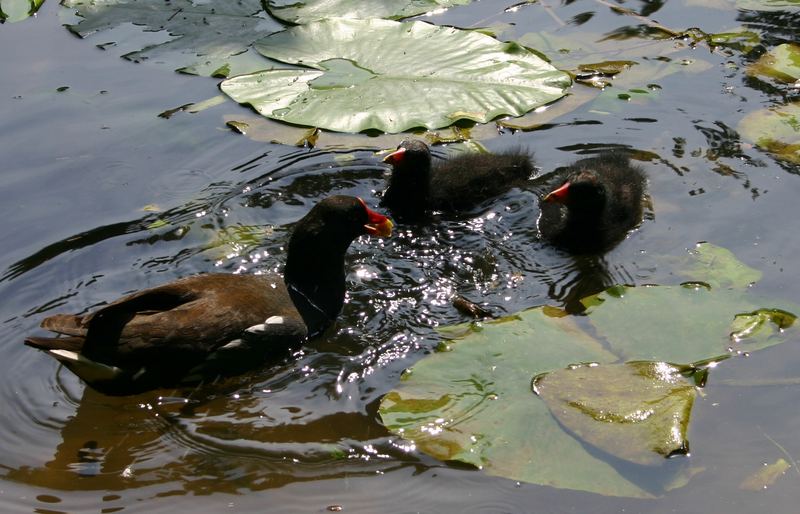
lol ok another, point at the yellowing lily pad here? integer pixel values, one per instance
(775, 130)
(18, 10)
(781, 63)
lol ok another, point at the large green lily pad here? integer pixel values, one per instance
(208, 38)
(18, 10)
(300, 12)
(775, 130)
(393, 76)
(473, 403)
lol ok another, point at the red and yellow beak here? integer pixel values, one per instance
(560, 195)
(378, 224)
(395, 157)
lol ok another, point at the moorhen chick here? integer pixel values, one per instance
(175, 333)
(417, 187)
(597, 202)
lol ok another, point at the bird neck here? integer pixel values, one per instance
(407, 195)
(315, 277)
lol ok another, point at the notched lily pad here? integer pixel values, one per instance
(389, 76)
(306, 11)
(636, 411)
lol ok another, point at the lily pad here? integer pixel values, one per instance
(208, 38)
(18, 10)
(392, 76)
(636, 411)
(473, 404)
(301, 12)
(781, 63)
(775, 130)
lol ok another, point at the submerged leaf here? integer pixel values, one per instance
(766, 476)
(208, 38)
(675, 324)
(718, 267)
(383, 75)
(307, 11)
(637, 411)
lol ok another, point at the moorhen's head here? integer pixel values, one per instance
(411, 160)
(583, 192)
(337, 220)
(409, 184)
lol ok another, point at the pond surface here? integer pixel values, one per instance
(102, 197)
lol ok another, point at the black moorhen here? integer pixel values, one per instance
(598, 201)
(457, 184)
(177, 332)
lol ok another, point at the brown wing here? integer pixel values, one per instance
(184, 320)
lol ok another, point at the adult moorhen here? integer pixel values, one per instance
(178, 332)
(597, 202)
(417, 186)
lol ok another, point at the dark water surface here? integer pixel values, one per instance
(80, 166)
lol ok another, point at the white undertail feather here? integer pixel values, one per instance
(87, 369)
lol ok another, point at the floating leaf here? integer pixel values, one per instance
(306, 11)
(637, 411)
(718, 267)
(209, 37)
(766, 476)
(775, 130)
(472, 403)
(237, 126)
(741, 40)
(18, 10)
(237, 239)
(392, 76)
(781, 63)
